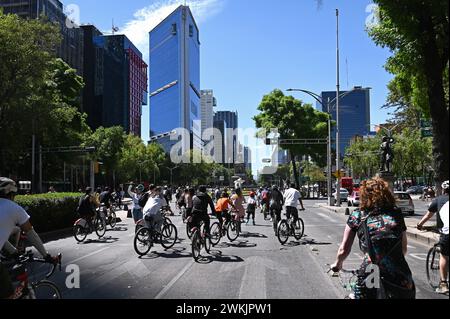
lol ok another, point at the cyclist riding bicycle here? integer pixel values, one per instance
(87, 205)
(440, 206)
(200, 202)
(152, 210)
(222, 209)
(292, 198)
(11, 216)
(238, 200)
(276, 206)
(106, 197)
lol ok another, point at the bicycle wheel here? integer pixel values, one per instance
(100, 227)
(167, 221)
(196, 245)
(299, 229)
(79, 233)
(283, 232)
(169, 236)
(46, 290)
(142, 242)
(215, 234)
(189, 230)
(112, 220)
(433, 259)
(233, 231)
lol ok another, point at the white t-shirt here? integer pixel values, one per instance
(11, 215)
(154, 205)
(291, 197)
(443, 213)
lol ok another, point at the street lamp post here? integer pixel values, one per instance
(338, 148)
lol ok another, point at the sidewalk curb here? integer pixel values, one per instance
(429, 238)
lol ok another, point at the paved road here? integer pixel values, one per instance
(256, 266)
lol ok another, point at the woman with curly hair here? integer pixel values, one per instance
(381, 230)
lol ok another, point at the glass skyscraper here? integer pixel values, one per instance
(354, 115)
(175, 78)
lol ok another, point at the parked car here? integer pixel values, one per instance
(344, 195)
(415, 190)
(405, 203)
(353, 199)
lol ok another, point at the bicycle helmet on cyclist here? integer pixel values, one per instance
(141, 188)
(275, 187)
(7, 186)
(445, 185)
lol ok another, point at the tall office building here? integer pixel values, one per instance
(232, 120)
(247, 158)
(175, 78)
(116, 81)
(220, 142)
(208, 102)
(354, 115)
(71, 48)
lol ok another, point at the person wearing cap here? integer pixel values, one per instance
(135, 196)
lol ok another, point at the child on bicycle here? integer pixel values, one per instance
(222, 207)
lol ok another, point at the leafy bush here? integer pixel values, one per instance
(50, 212)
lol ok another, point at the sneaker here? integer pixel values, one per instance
(443, 288)
(254, 224)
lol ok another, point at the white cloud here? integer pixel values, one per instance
(145, 19)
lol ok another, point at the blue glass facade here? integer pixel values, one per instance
(354, 115)
(175, 76)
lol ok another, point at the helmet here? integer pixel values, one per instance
(274, 187)
(445, 185)
(7, 186)
(141, 188)
(252, 194)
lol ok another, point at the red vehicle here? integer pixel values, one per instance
(347, 183)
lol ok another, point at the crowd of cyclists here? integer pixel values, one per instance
(378, 224)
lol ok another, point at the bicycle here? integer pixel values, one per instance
(433, 266)
(42, 289)
(288, 228)
(348, 280)
(82, 227)
(231, 228)
(141, 223)
(110, 216)
(200, 239)
(145, 237)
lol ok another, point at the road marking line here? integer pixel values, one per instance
(327, 217)
(411, 247)
(88, 255)
(417, 256)
(161, 294)
(359, 256)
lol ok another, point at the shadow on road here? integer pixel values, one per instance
(255, 235)
(169, 254)
(118, 228)
(312, 241)
(218, 257)
(237, 244)
(104, 240)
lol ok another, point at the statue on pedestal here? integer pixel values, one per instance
(386, 154)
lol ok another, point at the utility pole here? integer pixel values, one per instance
(338, 150)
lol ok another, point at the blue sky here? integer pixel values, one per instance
(250, 47)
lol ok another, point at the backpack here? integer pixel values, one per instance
(143, 200)
(181, 202)
(84, 205)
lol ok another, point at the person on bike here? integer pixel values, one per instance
(135, 196)
(222, 208)
(276, 206)
(188, 197)
(440, 206)
(381, 230)
(265, 202)
(251, 208)
(11, 216)
(152, 210)
(200, 202)
(217, 194)
(106, 198)
(87, 205)
(292, 198)
(238, 200)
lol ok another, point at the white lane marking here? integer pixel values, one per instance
(418, 256)
(358, 256)
(88, 255)
(327, 217)
(173, 281)
(411, 247)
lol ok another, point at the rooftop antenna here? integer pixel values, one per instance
(114, 28)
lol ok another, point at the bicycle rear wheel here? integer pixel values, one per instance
(233, 231)
(196, 245)
(46, 290)
(169, 236)
(299, 229)
(283, 232)
(112, 220)
(79, 233)
(433, 274)
(215, 234)
(189, 230)
(142, 242)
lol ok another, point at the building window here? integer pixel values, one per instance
(174, 29)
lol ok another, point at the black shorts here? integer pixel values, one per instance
(443, 242)
(6, 287)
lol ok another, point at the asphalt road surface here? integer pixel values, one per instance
(255, 266)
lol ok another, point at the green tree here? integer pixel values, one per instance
(417, 33)
(294, 120)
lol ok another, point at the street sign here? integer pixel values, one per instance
(222, 178)
(427, 133)
(425, 124)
